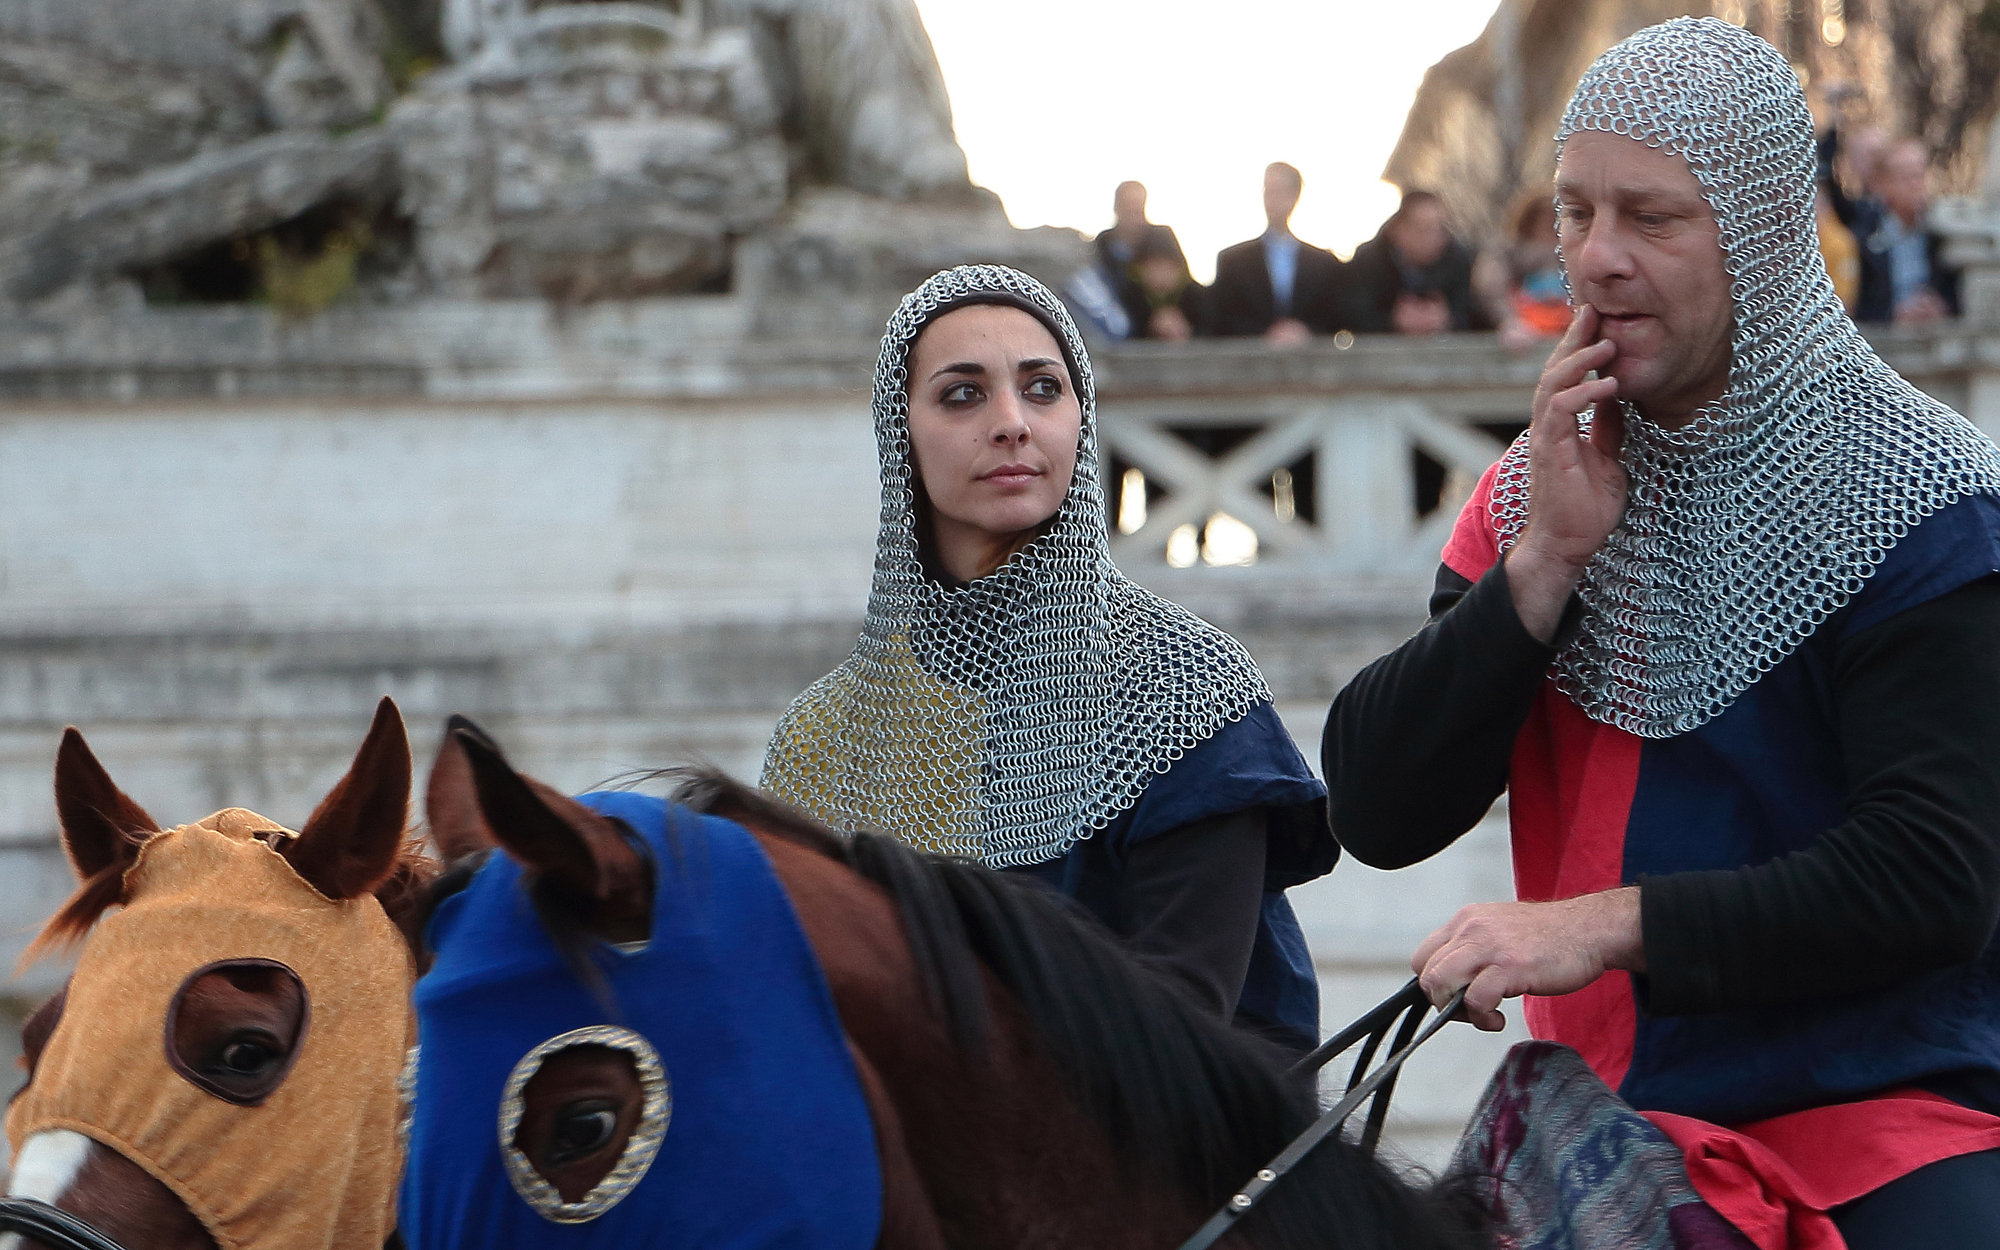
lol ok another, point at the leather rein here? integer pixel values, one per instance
(54, 1228)
(1409, 1005)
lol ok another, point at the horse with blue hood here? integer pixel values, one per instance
(710, 1022)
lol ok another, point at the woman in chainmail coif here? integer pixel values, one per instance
(1015, 700)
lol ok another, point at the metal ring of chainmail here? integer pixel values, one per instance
(1005, 720)
(1748, 527)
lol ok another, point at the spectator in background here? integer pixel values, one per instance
(1520, 283)
(1903, 275)
(1119, 250)
(1413, 277)
(1274, 285)
(1173, 299)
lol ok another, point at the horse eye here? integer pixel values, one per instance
(247, 1058)
(582, 1129)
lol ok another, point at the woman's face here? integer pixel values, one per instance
(994, 421)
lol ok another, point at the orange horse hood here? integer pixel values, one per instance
(314, 1164)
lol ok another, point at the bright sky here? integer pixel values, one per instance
(1057, 101)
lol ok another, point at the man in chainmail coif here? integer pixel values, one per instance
(1723, 624)
(1015, 700)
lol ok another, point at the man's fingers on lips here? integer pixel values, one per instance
(1578, 327)
(1595, 355)
(1573, 367)
(1584, 394)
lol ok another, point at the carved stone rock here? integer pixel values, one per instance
(617, 171)
(156, 216)
(570, 151)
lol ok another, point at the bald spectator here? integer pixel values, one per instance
(1903, 275)
(1413, 277)
(1127, 250)
(1274, 285)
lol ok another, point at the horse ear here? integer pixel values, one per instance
(563, 841)
(350, 842)
(98, 820)
(451, 800)
(102, 830)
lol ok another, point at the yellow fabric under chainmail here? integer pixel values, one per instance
(315, 1165)
(933, 734)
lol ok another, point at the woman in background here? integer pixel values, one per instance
(1521, 283)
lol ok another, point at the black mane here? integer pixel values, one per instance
(1185, 1098)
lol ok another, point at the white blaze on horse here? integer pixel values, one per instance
(222, 1068)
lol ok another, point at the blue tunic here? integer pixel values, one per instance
(1248, 763)
(1762, 780)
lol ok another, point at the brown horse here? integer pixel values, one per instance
(1031, 1087)
(221, 1069)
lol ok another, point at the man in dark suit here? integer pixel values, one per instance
(1275, 286)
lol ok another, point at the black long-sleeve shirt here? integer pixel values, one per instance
(1418, 745)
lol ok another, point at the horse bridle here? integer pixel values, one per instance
(1410, 1005)
(51, 1226)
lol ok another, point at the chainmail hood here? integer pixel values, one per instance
(1004, 720)
(1751, 525)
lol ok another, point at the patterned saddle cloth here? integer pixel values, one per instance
(1571, 1167)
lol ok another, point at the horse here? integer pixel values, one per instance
(1021, 1082)
(222, 1068)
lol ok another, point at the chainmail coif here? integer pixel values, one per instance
(1005, 720)
(1748, 527)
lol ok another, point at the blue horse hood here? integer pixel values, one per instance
(767, 1141)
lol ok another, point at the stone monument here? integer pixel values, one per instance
(302, 151)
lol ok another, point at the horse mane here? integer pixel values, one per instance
(1185, 1098)
(94, 895)
(405, 892)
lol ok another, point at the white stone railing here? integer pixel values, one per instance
(1341, 461)
(1327, 482)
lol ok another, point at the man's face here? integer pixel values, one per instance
(1281, 196)
(1128, 205)
(1419, 232)
(1641, 246)
(1904, 181)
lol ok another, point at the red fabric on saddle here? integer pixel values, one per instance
(1570, 790)
(1776, 1179)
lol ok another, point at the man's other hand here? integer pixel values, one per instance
(1420, 314)
(1922, 308)
(1498, 951)
(1288, 332)
(1576, 492)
